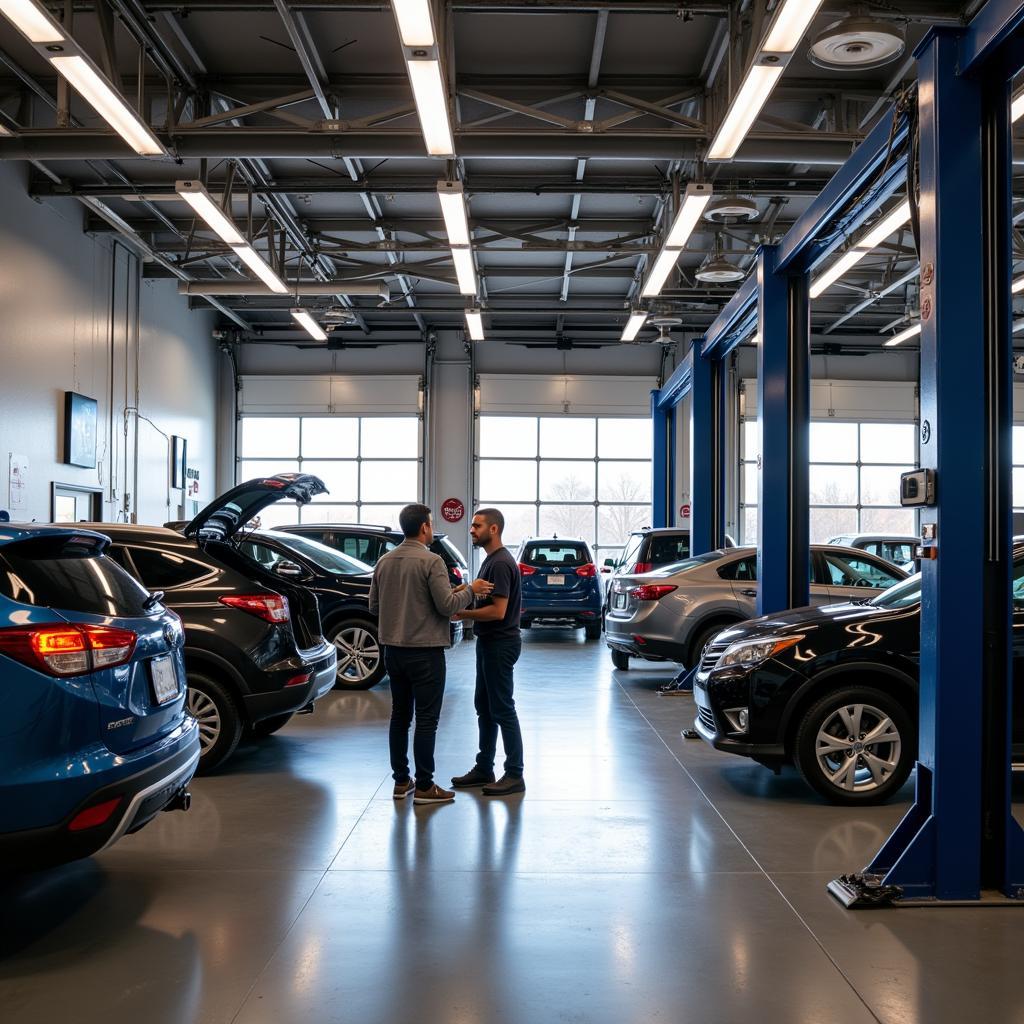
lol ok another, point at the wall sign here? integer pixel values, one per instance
(192, 490)
(452, 510)
(80, 417)
(17, 482)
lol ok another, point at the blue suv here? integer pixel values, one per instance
(94, 737)
(561, 584)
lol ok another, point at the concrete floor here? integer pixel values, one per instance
(642, 878)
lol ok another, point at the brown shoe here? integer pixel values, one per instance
(403, 789)
(434, 795)
(505, 786)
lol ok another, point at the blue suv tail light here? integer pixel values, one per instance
(68, 649)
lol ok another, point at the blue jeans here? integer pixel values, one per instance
(495, 705)
(417, 684)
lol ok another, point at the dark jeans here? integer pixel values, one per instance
(417, 683)
(495, 705)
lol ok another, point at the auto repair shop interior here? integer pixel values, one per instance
(717, 302)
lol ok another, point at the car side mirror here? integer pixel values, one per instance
(289, 570)
(610, 563)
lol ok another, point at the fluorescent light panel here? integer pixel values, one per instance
(792, 20)
(199, 199)
(1017, 107)
(415, 25)
(847, 261)
(743, 112)
(886, 226)
(475, 324)
(464, 270)
(103, 98)
(453, 209)
(305, 319)
(659, 272)
(633, 325)
(910, 332)
(32, 21)
(1018, 286)
(431, 98)
(252, 259)
(694, 201)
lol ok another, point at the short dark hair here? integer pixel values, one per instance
(493, 517)
(413, 518)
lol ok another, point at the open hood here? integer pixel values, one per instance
(226, 515)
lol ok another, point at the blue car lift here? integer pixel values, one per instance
(959, 842)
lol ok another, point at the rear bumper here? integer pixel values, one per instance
(649, 648)
(277, 698)
(579, 611)
(145, 783)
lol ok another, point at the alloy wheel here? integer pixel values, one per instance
(205, 712)
(858, 748)
(358, 654)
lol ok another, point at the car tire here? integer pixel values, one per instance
(592, 630)
(220, 720)
(704, 637)
(268, 726)
(360, 658)
(620, 659)
(843, 774)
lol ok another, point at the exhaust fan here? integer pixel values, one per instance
(857, 43)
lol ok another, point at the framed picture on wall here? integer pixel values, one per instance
(80, 418)
(179, 461)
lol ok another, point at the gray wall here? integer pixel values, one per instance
(76, 316)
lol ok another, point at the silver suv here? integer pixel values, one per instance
(672, 613)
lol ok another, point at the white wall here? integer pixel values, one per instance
(76, 316)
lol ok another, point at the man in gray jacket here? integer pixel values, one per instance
(414, 602)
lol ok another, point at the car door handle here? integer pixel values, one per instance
(749, 593)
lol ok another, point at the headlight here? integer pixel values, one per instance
(748, 653)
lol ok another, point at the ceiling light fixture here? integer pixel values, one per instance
(453, 209)
(695, 199)
(259, 266)
(1017, 107)
(898, 339)
(305, 319)
(475, 324)
(888, 225)
(636, 320)
(791, 21)
(462, 256)
(32, 21)
(1018, 286)
(194, 193)
(423, 63)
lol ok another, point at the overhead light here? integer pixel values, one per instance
(1017, 107)
(475, 324)
(432, 106)
(889, 224)
(792, 20)
(1018, 286)
(695, 199)
(464, 269)
(719, 270)
(32, 21)
(747, 104)
(104, 99)
(252, 259)
(636, 320)
(305, 319)
(453, 209)
(857, 43)
(415, 24)
(662, 267)
(5, 132)
(194, 193)
(898, 339)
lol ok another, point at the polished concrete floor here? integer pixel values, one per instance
(642, 878)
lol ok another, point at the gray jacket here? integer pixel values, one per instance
(412, 597)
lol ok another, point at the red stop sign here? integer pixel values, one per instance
(452, 510)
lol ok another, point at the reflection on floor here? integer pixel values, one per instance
(642, 878)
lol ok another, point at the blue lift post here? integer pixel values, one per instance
(707, 455)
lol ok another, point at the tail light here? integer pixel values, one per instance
(68, 649)
(93, 817)
(269, 607)
(643, 567)
(526, 570)
(652, 591)
(300, 680)
(588, 571)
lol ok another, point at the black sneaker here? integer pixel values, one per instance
(505, 786)
(474, 777)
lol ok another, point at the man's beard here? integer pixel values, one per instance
(478, 542)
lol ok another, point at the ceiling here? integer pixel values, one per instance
(575, 123)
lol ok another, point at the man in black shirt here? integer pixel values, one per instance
(498, 645)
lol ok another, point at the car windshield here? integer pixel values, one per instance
(326, 558)
(901, 595)
(690, 563)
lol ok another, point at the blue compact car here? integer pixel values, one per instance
(561, 585)
(94, 737)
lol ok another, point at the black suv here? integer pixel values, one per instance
(832, 690)
(254, 649)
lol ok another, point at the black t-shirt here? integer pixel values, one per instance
(501, 569)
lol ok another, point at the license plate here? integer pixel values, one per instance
(620, 600)
(556, 581)
(165, 680)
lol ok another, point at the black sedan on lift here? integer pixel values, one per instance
(832, 690)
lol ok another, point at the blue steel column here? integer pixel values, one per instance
(706, 456)
(660, 454)
(950, 845)
(783, 410)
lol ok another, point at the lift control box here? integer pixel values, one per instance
(917, 488)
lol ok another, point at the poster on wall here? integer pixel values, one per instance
(80, 417)
(17, 483)
(192, 491)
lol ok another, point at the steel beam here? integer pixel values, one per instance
(735, 321)
(661, 499)
(678, 386)
(783, 410)
(707, 453)
(245, 287)
(992, 37)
